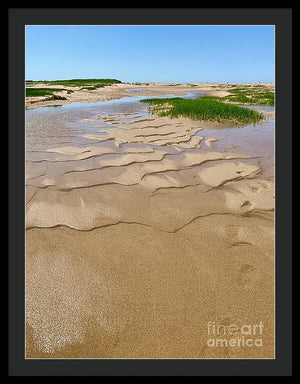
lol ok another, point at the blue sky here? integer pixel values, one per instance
(151, 53)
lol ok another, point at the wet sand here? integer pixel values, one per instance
(141, 230)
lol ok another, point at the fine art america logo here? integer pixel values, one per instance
(246, 335)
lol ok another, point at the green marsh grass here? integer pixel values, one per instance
(33, 92)
(80, 82)
(250, 95)
(203, 108)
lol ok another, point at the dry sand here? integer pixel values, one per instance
(132, 249)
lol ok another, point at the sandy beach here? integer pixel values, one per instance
(116, 91)
(141, 230)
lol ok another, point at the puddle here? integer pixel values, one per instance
(137, 90)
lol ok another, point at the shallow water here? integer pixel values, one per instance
(137, 90)
(48, 127)
(256, 140)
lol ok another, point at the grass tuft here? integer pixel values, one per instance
(203, 108)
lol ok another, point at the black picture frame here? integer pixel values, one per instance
(281, 18)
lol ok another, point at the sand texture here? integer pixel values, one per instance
(141, 235)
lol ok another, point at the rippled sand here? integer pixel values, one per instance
(139, 233)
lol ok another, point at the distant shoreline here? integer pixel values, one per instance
(72, 94)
